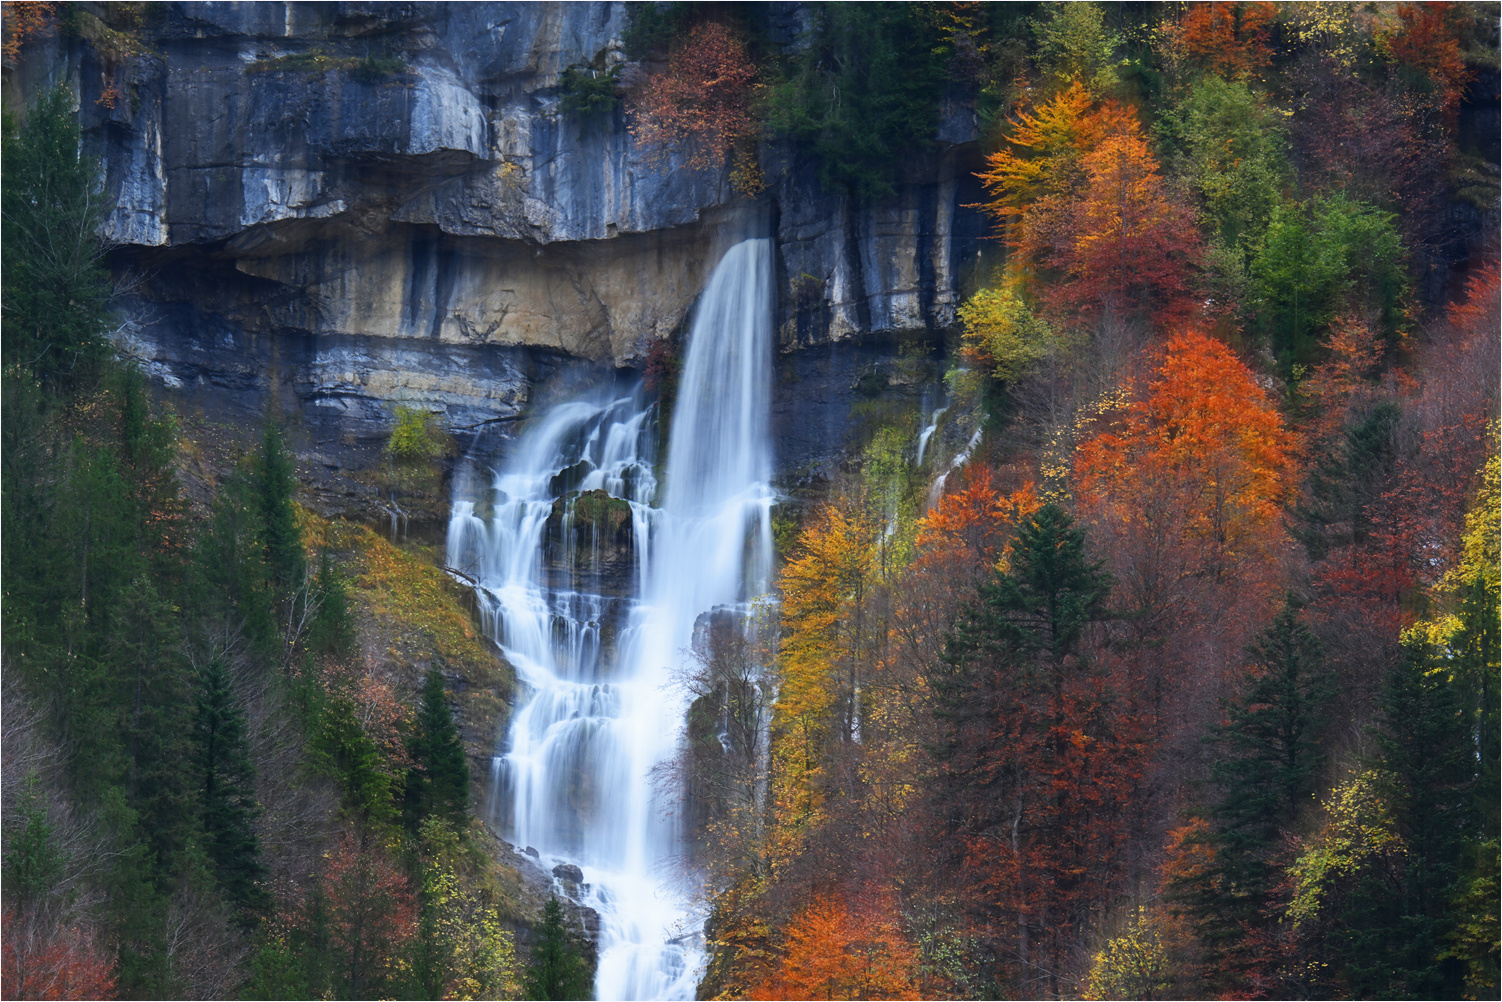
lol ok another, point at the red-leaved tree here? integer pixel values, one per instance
(38, 960)
(701, 104)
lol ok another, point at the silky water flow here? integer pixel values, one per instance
(580, 775)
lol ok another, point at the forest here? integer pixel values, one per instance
(1183, 684)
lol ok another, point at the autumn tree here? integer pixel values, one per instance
(1031, 179)
(1428, 41)
(23, 20)
(1079, 192)
(1003, 334)
(461, 950)
(39, 961)
(370, 915)
(1207, 447)
(1231, 40)
(829, 636)
(834, 951)
(1031, 745)
(1133, 242)
(701, 104)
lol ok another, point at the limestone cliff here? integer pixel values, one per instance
(342, 206)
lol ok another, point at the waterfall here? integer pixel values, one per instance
(593, 646)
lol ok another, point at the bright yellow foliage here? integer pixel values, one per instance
(1359, 827)
(825, 637)
(1481, 545)
(473, 955)
(1004, 334)
(1133, 965)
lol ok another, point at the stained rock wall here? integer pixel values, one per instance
(376, 203)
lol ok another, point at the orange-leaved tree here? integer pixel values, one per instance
(1429, 42)
(702, 101)
(1206, 440)
(1078, 191)
(1228, 39)
(836, 951)
(24, 19)
(1039, 170)
(1133, 242)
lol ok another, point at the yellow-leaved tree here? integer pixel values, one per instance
(828, 636)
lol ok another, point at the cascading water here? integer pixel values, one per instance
(575, 779)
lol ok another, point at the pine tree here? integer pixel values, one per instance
(1269, 760)
(276, 484)
(1034, 773)
(558, 970)
(55, 288)
(1392, 932)
(438, 784)
(226, 790)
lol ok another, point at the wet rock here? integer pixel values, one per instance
(570, 874)
(531, 852)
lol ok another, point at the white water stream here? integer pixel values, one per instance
(574, 777)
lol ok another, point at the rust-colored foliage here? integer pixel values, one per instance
(1080, 192)
(372, 912)
(1208, 436)
(1044, 163)
(365, 907)
(837, 950)
(974, 518)
(1429, 42)
(25, 19)
(1133, 243)
(44, 962)
(1477, 315)
(1228, 39)
(701, 101)
(1343, 380)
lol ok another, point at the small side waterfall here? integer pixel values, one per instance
(575, 498)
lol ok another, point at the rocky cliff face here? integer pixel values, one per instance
(343, 206)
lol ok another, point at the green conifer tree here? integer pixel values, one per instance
(55, 291)
(558, 969)
(438, 784)
(276, 485)
(1391, 934)
(1269, 760)
(226, 791)
(33, 865)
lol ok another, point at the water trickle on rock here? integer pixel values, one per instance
(578, 495)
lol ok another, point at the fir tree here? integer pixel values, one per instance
(1270, 759)
(226, 790)
(558, 969)
(333, 631)
(276, 484)
(33, 864)
(438, 784)
(55, 288)
(1391, 935)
